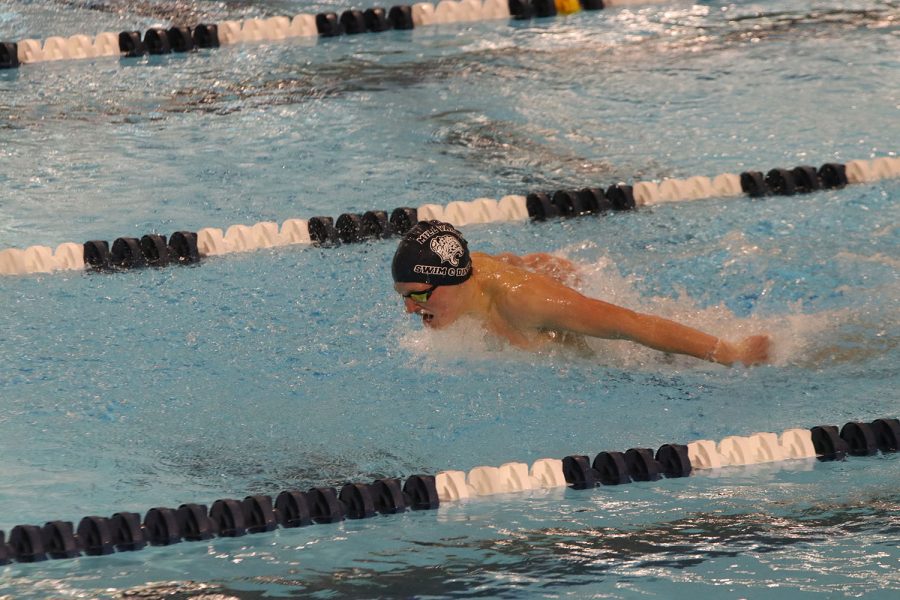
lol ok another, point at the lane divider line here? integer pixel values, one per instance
(186, 247)
(228, 517)
(182, 38)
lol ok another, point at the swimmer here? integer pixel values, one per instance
(523, 300)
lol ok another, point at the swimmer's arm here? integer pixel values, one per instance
(561, 308)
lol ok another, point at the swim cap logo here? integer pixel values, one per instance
(448, 248)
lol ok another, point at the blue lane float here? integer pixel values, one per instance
(255, 514)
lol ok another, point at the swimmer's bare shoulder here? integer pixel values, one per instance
(512, 312)
(558, 268)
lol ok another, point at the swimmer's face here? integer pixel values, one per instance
(437, 305)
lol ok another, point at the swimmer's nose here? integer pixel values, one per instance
(410, 306)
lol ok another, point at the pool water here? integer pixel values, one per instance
(296, 367)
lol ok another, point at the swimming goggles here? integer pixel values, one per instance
(421, 296)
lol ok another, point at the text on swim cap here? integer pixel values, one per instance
(443, 271)
(435, 229)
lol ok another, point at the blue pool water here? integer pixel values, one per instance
(296, 367)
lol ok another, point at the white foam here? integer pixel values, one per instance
(466, 339)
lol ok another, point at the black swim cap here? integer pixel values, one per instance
(432, 252)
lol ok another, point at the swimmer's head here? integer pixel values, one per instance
(432, 253)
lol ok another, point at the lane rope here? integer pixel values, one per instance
(182, 38)
(188, 247)
(162, 526)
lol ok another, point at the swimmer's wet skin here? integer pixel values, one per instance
(522, 300)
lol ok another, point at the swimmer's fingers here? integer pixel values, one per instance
(755, 349)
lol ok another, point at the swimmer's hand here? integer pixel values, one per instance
(752, 350)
